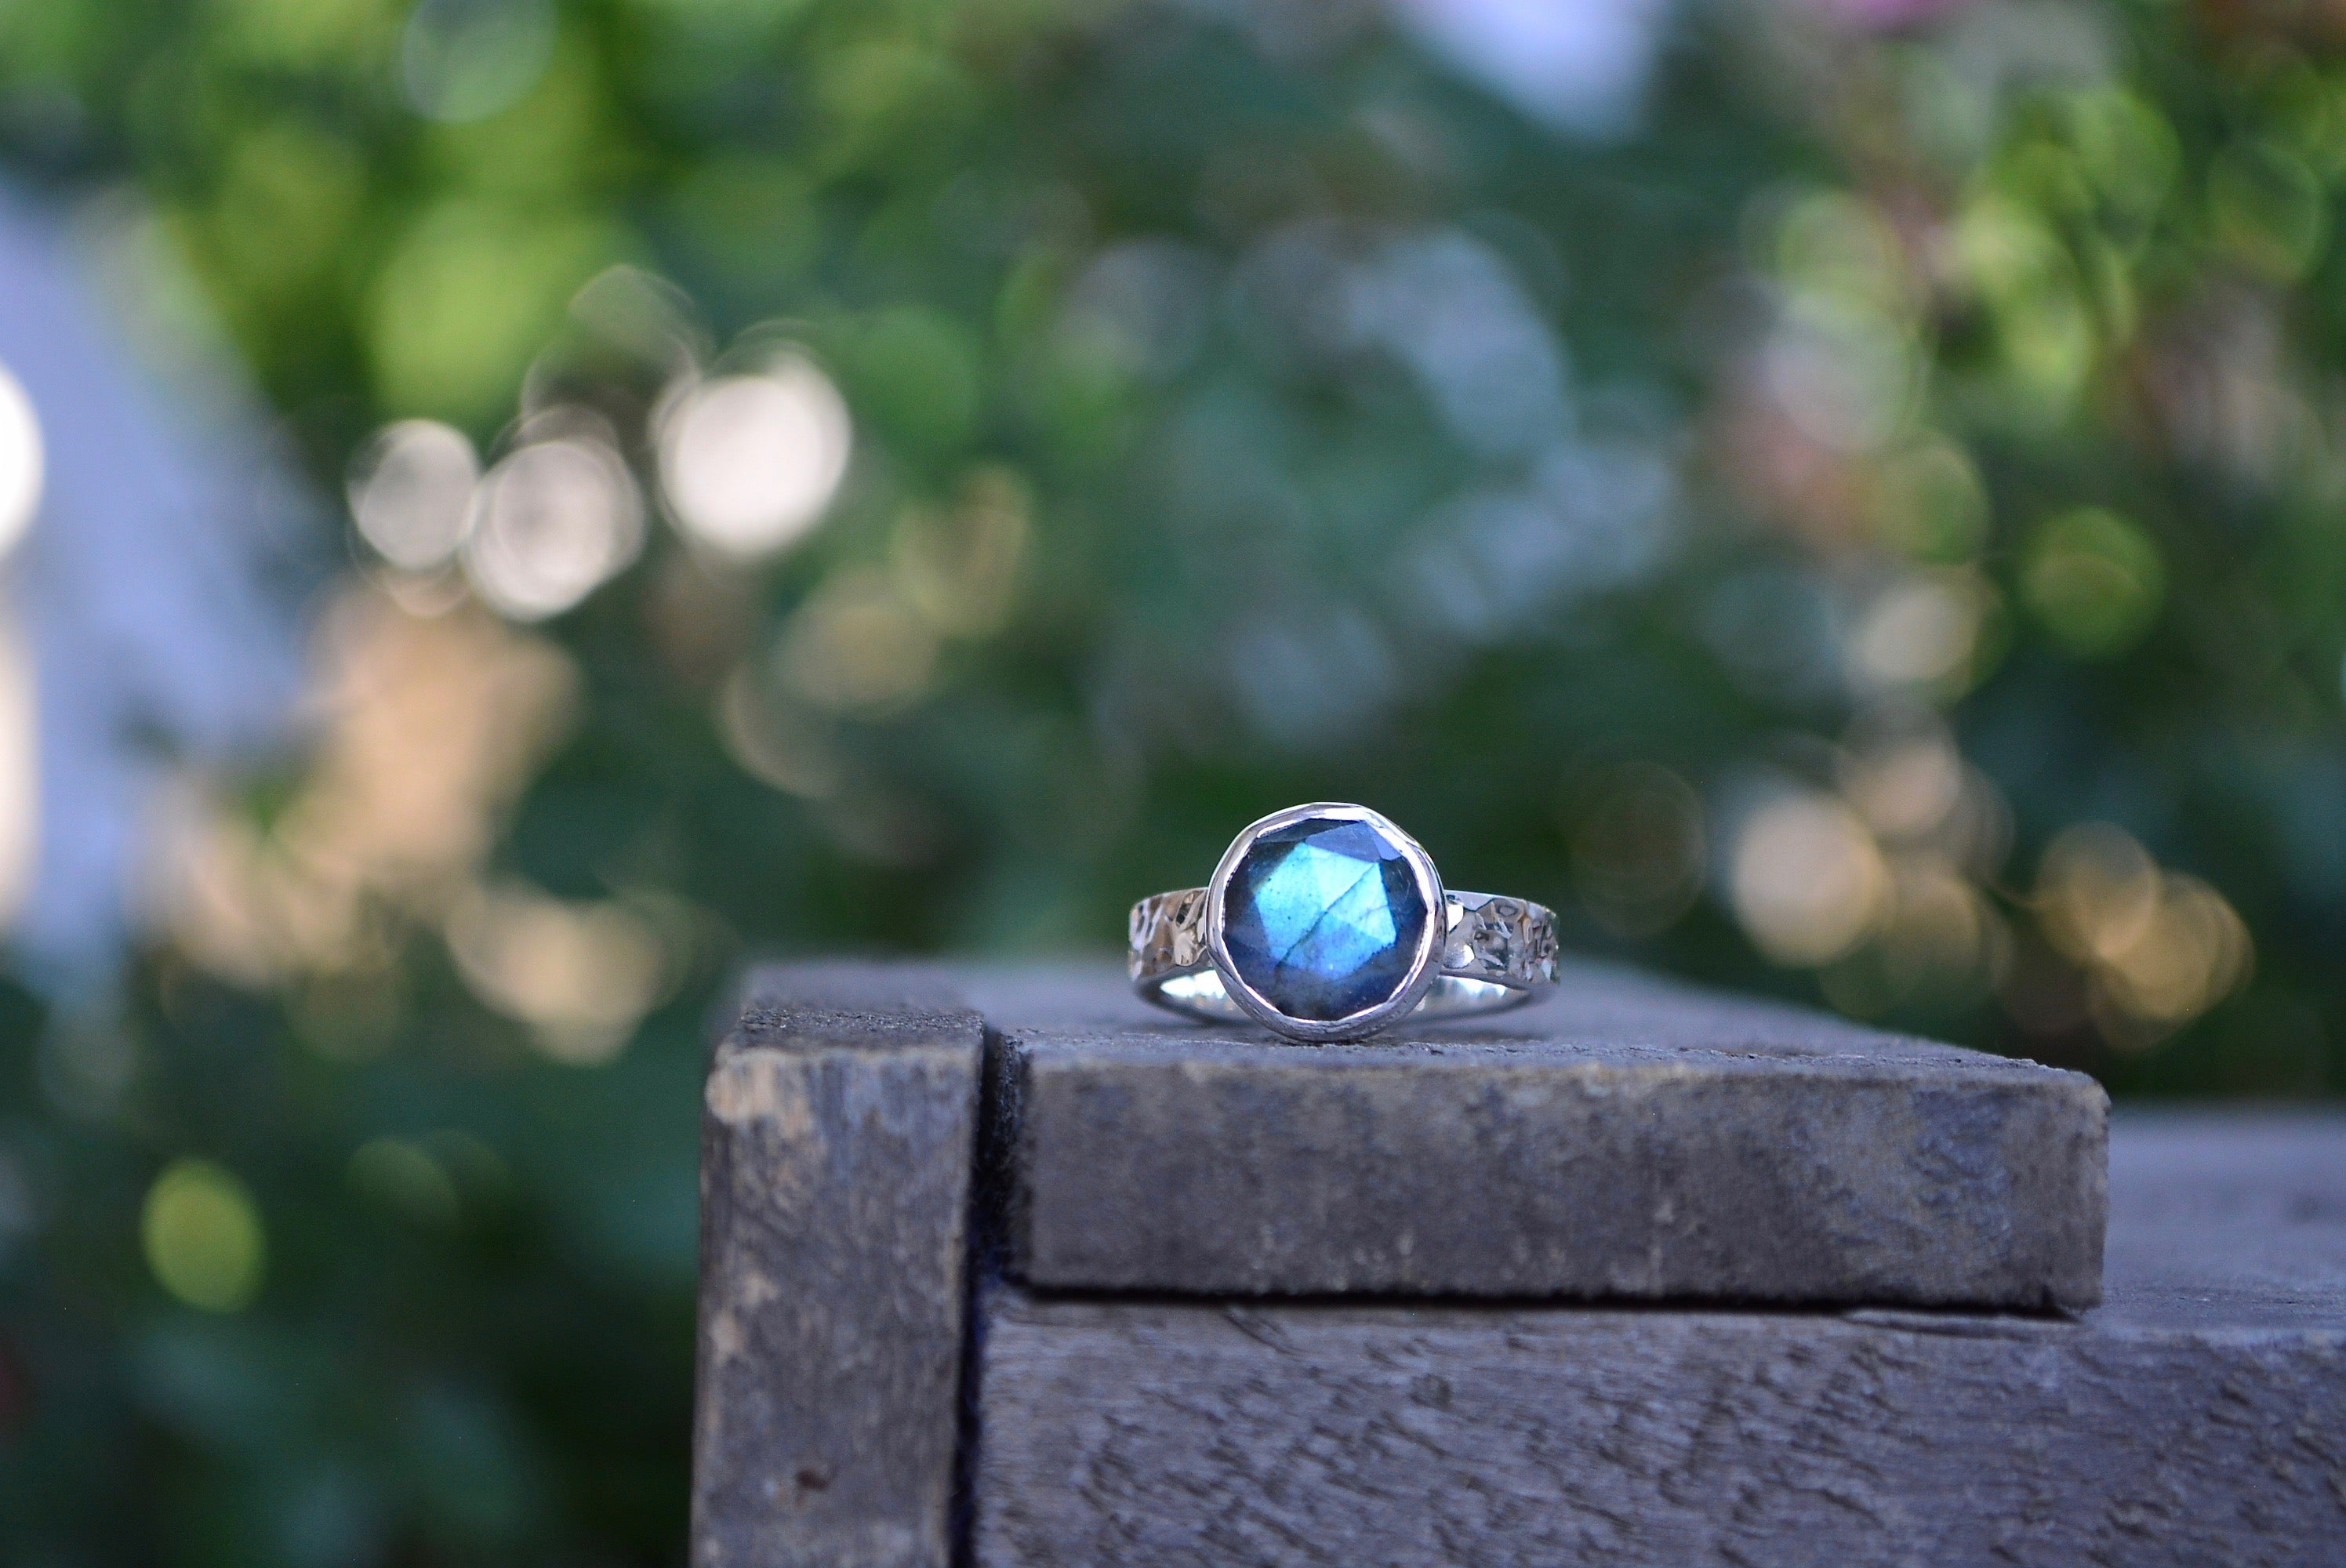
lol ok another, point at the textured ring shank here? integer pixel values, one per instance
(1499, 951)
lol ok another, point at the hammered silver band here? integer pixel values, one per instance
(1499, 952)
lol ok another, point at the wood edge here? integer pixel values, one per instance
(792, 1017)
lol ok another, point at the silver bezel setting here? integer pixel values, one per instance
(1426, 966)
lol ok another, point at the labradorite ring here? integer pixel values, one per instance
(1327, 922)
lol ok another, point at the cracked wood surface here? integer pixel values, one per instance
(838, 1142)
(2197, 1418)
(1629, 1138)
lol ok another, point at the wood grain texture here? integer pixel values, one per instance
(837, 1142)
(1629, 1139)
(2197, 1418)
(1166, 1434)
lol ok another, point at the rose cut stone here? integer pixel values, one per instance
(1323, 918)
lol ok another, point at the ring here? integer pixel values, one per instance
(1328, 922)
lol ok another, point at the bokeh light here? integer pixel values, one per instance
(411, 493)
(1920, 631)
(551, 523)
(23, 465)
(1939, 932)
(958, 566)
(400, 1176)
(1638, 847)
(582, 976)
(1903, 773)
(1931, 503)
(203, 1235)
(2095, 580)
(1807, 880)
(775, 737)
(749, 462)
(464, 60)
(20, 771)
(2159, 947)
(859, 644)
(429, 727)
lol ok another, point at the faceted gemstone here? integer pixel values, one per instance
(1323, 918)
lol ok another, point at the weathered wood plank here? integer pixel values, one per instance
(1629, 1138)
(2198, 1418)
(837, 1149)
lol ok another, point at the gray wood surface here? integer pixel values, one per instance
(1628, 1139)
(2199, 1416)
(866, 1136)
(837, 1142)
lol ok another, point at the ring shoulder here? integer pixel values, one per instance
(1512, 940)
(1168, 934)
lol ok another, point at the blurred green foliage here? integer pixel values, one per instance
(1871, 531)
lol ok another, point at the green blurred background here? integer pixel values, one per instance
(1838, 497)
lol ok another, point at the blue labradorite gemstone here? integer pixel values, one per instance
(1323, 918)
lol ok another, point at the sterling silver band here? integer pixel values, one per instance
(1499, 952)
